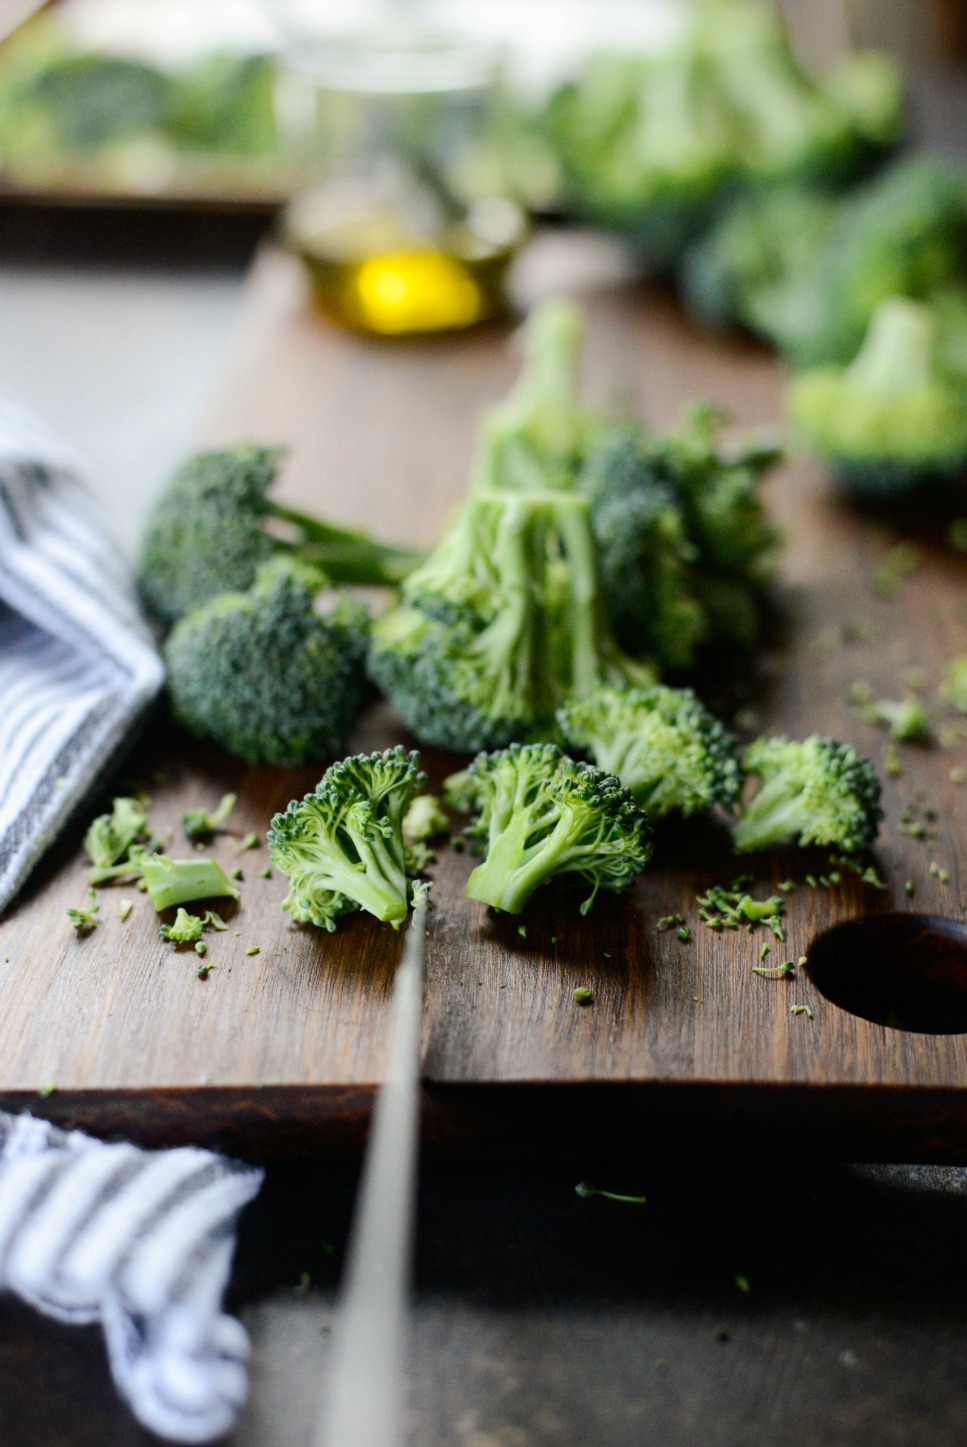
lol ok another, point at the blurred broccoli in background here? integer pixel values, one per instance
(895, 418)
(651, 145)
(225, 103)
(266, 675)
(209, 533)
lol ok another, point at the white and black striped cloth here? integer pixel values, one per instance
(77, 664)
(141, 1241)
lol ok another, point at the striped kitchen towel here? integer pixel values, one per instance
(77, 664)
(141, 1241)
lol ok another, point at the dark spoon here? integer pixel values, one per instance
(907, 971)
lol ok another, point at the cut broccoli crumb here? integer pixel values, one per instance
(425, 819)
(265, 674)
(124, 909)
(896, 417)
(586, 1191)
(207, 535)
(662, 744)
(111, 836)
(583, 996)
(735, 908)
(248, 841)
(670, 921)
(342, 848)
(775, 972)
(199, 823)
(541, 814)
(954, 686)
(814, 792)
(186, 929)
(85, 920)
(214, 921)
(253, 950)
(907, 718)
(170, 882)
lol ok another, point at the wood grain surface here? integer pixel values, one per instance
(683, 1040)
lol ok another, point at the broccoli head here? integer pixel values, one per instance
(646, 144)
(817, 792)
(341, 847)
(265, 674)
(895, 418)
(541, 815)
(500, 624)
(661, 743)
(208, 534)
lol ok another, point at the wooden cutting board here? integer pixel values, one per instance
(684, 1047)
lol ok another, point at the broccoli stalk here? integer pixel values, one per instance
(500, 624)
(208, 535)
(170, 882)
(542, 815)
(663, 746)
(817, 792)
(342, 847)
(895, 418)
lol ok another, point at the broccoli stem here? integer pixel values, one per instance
(901, 351)
(573, 521)
(347, 556)
(512, 871)
(179, 881)
(775, 814)
(535, 435)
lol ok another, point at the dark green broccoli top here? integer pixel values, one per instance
(265, 674)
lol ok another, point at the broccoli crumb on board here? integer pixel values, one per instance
(85, 920)
(125, 907)
(265, 873)
(205, 969)
(583, 996)
(670, 921)
(734, 908)
(201, 948)
(802, 1010)
(775, 972)
(585, 1190)
(253, 950)
(200, 824)
(186, 928)
(249, 841)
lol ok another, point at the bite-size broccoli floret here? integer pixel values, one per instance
(661, 743)
(267, 675)
(895, 418)
(500, 624)
(208, 534)
(185, 930)
(541, 814)
(111, 836)
(815, 792)
(341, 847)
(425, 819)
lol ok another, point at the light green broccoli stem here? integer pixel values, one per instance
(901, 351)
(774, 815)
(584, 622)
(543, 407)
(179, 881)
(344, 555)
(375, 879)
(514, 868)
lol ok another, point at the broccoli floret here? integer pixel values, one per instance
(646, 144)
(85, 920)
(754, 267)
(903, 234)
(425, 819)
(110, 836)
(954, 686)
(542, 815)
(342, 847)
(198, 823)
(788, 123)
(207, 535)
(500, 625)
(266, 675)
(893, 420)
(906, 718)
(662, 744)
(684, 543)
(818, 792)
(225, 103)
(186, 929)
